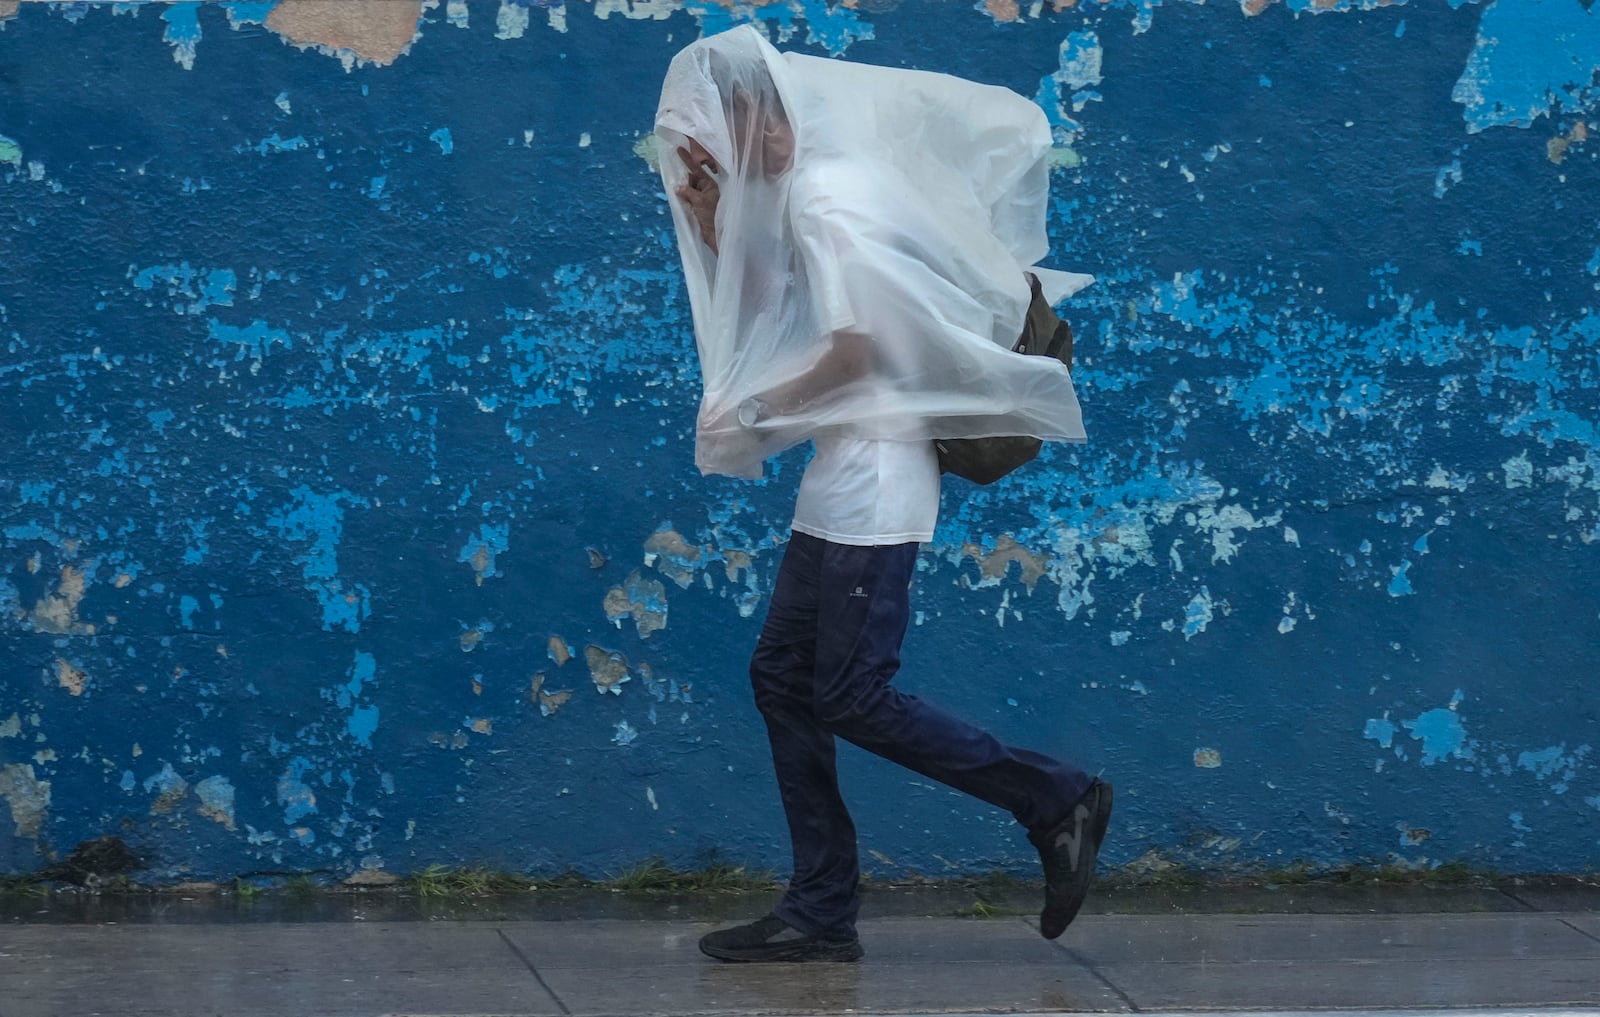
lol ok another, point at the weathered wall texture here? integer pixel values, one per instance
(347, 508)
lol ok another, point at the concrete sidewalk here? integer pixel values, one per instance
(369, 964)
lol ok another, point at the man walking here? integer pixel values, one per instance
(853, 242)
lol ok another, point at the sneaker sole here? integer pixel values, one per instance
(788, 953)
(1102, 818)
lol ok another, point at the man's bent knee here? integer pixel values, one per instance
(854, 712)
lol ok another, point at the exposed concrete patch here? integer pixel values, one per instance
(559, 652)
(735, 562)
(648, 148)
(672, 556)
(69, 677)
(994, 565)
(452, 741)
(371, 877)
(28, 797)
(548, 702)
(8, 9)
(173, 790)
(216, 800)
(373, 31)
(194, 886)
(1556, 148)
(58, 612)
(607, 668)
(1003, 10)
(643, 600)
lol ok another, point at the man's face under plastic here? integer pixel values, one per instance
(762, 123)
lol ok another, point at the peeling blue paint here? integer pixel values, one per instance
(317, 520)
(205, 408)
(299, 801)
(183, 30)
(248, 12)
(274, 144)
(1381, 731)
(481, 549)
(1531, 56)
(1066, 91)
(36, 491)
(1400, 585)
(1441, 733)
(1198, 614)
(834, 27)
(1447, 177)
(216, 796)
(165, 781)
(1555, 762)
(253, 339)
(205, 288)
(363, 719)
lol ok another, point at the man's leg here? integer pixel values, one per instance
(863, 607)
(821, 897)
(815, 920)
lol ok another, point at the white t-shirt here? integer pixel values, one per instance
(865, 492)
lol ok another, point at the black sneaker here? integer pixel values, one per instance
(1068, 852)
(773, 939)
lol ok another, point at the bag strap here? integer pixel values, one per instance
(1043, 332)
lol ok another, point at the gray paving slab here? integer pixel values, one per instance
(1301, 984)
(599, 968)
(349, 970)
(1470, 1011)
(913, 965)
(1310, 961)
(1225, 939)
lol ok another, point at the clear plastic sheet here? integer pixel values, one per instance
(872, 228)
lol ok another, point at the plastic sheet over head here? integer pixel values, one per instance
(872, 229)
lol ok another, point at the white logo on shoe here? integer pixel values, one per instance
(1073, 841)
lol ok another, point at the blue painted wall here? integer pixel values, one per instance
(348, 393)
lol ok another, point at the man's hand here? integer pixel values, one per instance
(701, 193)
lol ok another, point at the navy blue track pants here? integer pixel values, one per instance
(822, 669)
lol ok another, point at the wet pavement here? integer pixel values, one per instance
(947, 950)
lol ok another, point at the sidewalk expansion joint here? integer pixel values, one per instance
(533, 971)
(1580, 931)
(1090, 966)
